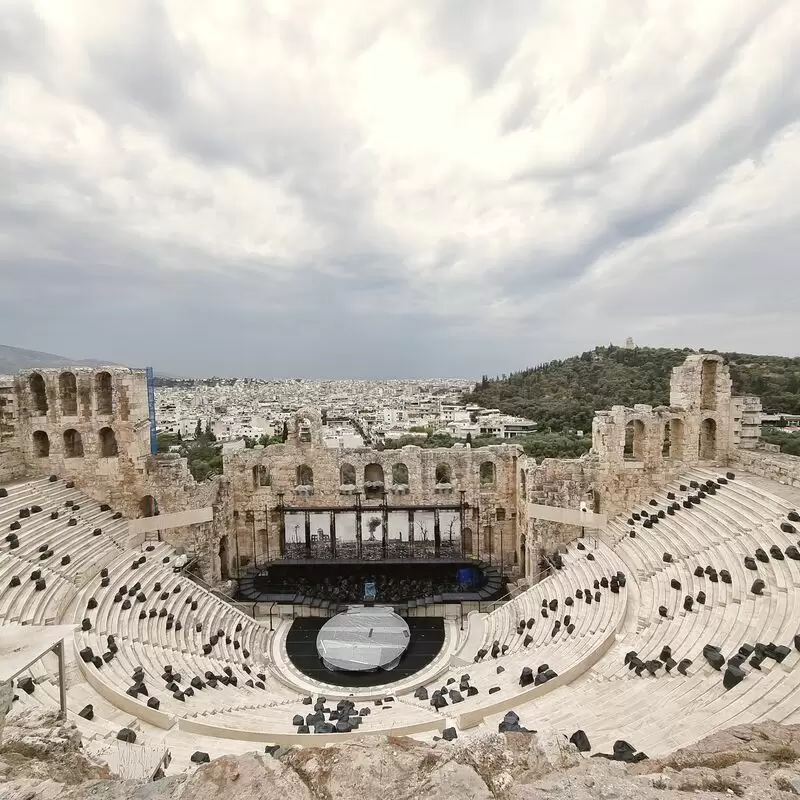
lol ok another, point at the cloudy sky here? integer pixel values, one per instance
(397, 188)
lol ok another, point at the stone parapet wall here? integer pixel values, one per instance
(777, 467)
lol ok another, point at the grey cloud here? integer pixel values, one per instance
(79, 277)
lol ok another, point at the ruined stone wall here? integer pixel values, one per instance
(702, 423)
(12, 462)
(777, 467)
(106, 451)
(426, 477)
(88, 425)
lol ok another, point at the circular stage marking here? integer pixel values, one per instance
(363, 639)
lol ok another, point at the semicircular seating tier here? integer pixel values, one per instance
(681, 619)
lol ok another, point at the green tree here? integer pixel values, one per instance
(198, 431)
(285, 431)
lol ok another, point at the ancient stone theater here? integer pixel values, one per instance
(647, 592)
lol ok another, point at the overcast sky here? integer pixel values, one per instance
(371, 188)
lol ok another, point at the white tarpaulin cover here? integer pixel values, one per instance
(363, 639)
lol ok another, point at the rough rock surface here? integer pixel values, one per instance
(41, 758)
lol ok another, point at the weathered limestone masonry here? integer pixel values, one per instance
(89, 424)
(309, 474)
(636, 450)
(12, 463)
(92, 426)
(777, 467)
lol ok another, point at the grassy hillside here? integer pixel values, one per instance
(563, 395)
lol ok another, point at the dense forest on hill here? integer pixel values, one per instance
(562, 396)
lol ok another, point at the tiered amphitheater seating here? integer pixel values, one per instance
(661, 711)
(680, 582)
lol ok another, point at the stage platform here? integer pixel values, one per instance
(427, 640)
(327, 585)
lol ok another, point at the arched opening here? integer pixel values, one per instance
(400, 475)
(305, 476)
(41, 444)
(634, 440)
(223, 558)
(304, 429)
(487, 473)
(708, 386)
(708, 440)
(347, 476)
(500, 514)
(73, 444)
(373, 481)
(108, 443)
(38, 392)
(102, 388)
(443, 475)
(148, 506)
(673, 439)
(260, 476)
(68, 394)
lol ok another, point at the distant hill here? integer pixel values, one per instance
(13, 359)
(563, 395)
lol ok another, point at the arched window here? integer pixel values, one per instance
(305, 475)
(73, 444)
(68, 394)
(108, 443)
(260, 476)
(707, 449)
(487, 473)
(148, 506)
(373, 481)
(673, 439)
(102, 389)
(443, 474)
(708, 385)
(400, 475)
(41, 444)
(634, 440)
(38, 392)
(347, 475)
(304, 430)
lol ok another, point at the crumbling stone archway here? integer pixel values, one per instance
(73, 444)
(708, 385)
(674, 436)
(347, 475)
(148, 506)
(108, 443)
(373, 481)
(103, 393)
(635, 439)
(707, 445)
(400, 475)
(260, 476)
(444, 475)
(305, 475)
(68, 394)
(38, 393)
(488, 474)
(41, 444)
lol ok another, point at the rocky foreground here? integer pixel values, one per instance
(41, 758)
